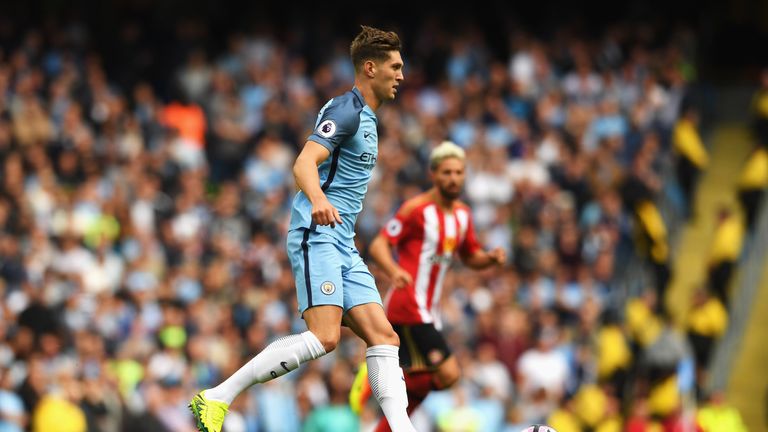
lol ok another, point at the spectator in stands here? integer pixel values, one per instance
(717, 415)
(13, 417)
(639, 419)
(336, 416)
(691, 155)
(188, 125)
(724, 253)
(752, 184)
(542, 375)
(707, 321)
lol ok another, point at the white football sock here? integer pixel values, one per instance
(277, 359)
(388, 385)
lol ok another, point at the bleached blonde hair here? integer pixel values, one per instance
(445, 150)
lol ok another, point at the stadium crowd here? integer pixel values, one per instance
(142, 228)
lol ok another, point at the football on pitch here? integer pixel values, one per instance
(538, 428)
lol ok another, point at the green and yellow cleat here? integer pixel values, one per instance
(360, 391)
(209, 414)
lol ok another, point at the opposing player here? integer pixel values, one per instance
(332, 282)
(426, 232)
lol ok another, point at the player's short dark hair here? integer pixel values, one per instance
(373, 44)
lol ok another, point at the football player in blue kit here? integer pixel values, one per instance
(333, 283)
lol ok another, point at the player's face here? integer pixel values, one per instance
(448, 178)
(388, 77)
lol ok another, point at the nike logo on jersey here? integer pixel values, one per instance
(367, 134)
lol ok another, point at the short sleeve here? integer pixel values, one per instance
(395, 228)
(470, 245)
(338, 120)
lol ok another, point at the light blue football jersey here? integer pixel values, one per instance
(346, 126)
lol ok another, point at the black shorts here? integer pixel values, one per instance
(422, 347)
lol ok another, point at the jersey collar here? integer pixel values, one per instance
(359, 96)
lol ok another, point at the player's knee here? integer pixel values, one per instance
(390, 337)
(448, 374)
(329, 340)
(450, 378)
(328, 337)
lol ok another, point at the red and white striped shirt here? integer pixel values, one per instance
(425, 239)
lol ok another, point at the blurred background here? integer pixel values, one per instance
(616, 150)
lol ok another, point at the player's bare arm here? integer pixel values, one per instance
(307, 178)
(483, 259)
(381, 248)
(381, 252)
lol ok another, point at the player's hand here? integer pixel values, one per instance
(498, 256)
(401, 278)
(324, 213)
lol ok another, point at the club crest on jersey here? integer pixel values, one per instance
(394, 227)
(327, 287)
(326, 129)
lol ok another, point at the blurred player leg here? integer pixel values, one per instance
(386, 378)
(361, 390)
(420, 383)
